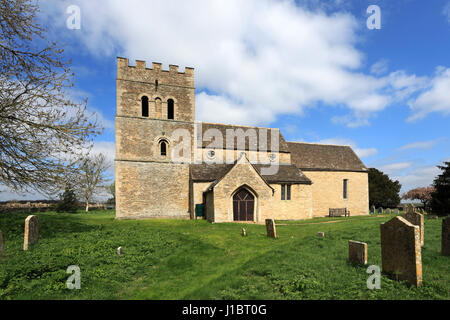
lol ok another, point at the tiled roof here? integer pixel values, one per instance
(309, 156)
(283, 147)
(211, 172)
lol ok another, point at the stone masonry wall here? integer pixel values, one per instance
(151, 189)
(327, 192)
(298, 208)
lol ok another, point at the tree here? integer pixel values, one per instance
(421, 194)
(383, 192)
(92, 177)
(42, 131)
(111, 189)
(68, 201)
(440, 198)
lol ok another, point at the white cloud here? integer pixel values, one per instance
(394, 168)
(420, 177)
(418, 145)
(446, 11)
(361, 152)
(435, 99)
(257, 59)
(379, 67)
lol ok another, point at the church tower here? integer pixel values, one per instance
(151, 105)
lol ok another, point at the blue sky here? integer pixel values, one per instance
(311, 68)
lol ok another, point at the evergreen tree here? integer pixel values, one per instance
(68, 202)
(383, 192)
(440, 198)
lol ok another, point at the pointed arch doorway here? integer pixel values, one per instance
(243, 205)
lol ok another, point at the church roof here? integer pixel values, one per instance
(321, 157)
(283, 146)
(287, 173)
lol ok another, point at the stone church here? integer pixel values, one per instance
(218, 180)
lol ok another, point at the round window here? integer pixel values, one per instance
(211, 154)
(273, 157)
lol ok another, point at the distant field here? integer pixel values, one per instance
(179, 259)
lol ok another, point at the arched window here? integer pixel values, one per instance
(170, 109)
(163, 148)
(144, 101)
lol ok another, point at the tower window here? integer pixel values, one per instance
(170, 109)
(163, 148)
(345, 187)
(144, 102)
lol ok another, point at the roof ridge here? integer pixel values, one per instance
(321, 144)
(238, 125)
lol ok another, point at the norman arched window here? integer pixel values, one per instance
(144, 102)
(163, 148)
(170, 109)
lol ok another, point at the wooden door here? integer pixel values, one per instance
(243, 205)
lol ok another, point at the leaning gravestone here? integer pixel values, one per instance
(244, 232)
(271, 229)
(357, 252)
(1, 241)
(31, 231)
(380, 210)
(401, 255)
(416, 219)
(372, 209)
(446, 236)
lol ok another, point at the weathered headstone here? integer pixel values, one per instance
(416, 219)
(446, 236)
(119, 251)
(401, 255)
(244, 232)
(321, 234)
(1, 241)
(357, 252)
(380, 210)
(396, 211)
(31, 231)
(271, 229)
(372, 209)
(388, 210)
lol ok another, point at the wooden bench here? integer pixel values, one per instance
(338, 212)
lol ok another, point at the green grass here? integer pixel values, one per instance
(178, 259)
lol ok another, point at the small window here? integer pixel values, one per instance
(170, 109)
(163, 148)
(211, 154)
(345, 187)
(144, 102)
(285, 192)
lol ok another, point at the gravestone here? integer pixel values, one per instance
(416, 219)
(31, 231)
(434, 217)
(388, 211)
(372, 209)
(1, 241)
(446, 236)
(321, 234)
(380, 210)
(119, 251)
(396, 211)
(357, 252)
(401, 255)
(244, 232)
(271, 229)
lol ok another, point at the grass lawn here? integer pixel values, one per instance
(179, 259)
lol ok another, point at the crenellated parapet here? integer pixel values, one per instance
(139, 72)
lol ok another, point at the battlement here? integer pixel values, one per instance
(140, 72)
